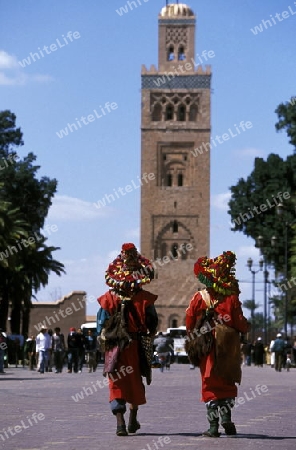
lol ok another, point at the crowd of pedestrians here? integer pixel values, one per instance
(50, 351)
(280, 353)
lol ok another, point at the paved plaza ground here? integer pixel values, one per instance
(71, 412)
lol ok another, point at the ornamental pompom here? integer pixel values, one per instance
(127, 247)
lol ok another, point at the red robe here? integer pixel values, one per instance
(129, 386)
(213, 386)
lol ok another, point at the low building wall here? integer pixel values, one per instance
(69, 311)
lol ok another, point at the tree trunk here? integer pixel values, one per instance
(26, 322)
(4, 304)
(15, 322)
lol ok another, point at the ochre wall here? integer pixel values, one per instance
(69, 311)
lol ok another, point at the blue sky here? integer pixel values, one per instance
(99, 62)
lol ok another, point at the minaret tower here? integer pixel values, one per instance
(175, 199)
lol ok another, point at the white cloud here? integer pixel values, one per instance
(12, 75)
(73, 209)
(248, 251)
(39, 78)
(7, 61)
(220, 201)
(10, 81)
(250, 153)
(84, 274)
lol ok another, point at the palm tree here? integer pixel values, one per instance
(32, 273)
(24, 267)
(13, 228)
(252, 306)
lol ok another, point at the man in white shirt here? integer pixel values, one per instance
(272, 354)
(3, 347)
(43, 344)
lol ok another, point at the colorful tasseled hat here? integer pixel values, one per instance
(129, 271)
(218, 273)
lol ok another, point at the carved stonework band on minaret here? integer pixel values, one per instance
(175, 122)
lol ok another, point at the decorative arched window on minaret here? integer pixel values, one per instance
(171, 53)
(169, 113)
(180, 179)
(169, 180)
(193, 113)
(181, 53)
(157, 113)
(182, 113)
(175, 250)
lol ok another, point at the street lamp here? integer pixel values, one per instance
(280, 211)
(260, 245)
(253, 272)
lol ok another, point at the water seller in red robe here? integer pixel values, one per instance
(220, 370)
(125, 276)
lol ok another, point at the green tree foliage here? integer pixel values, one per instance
(287, 119)
(258, 322)
(277, 305)
(253, 202)
(25, 259)
(12, 229)
(251, 305)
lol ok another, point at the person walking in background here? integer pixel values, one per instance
(81, 349)
(287, 352)
(73, 342)
(272, 354)
(3, 347)
(171, 358)
(43, 345)
(30, 352)
(294, 351)
(49, 364)
(267, 355)
(259, 352)
(163, 347)
(247, 348)
(126, 276)
(58, 349)
(91, 351)
(278, 349)
(219, 371)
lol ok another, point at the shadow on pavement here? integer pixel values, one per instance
(9, 378)
(237, 436)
